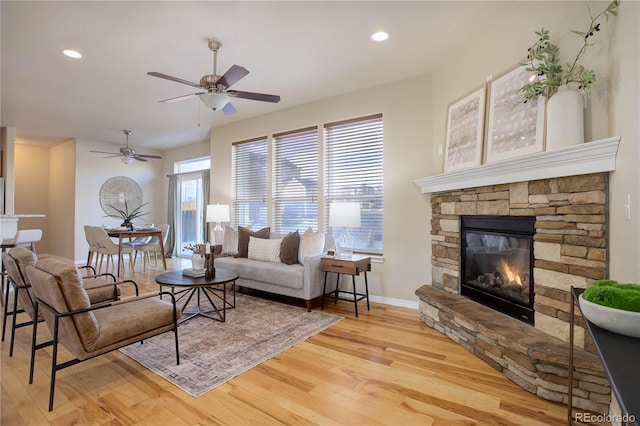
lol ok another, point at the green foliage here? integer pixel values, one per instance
(614, 295)
(544, 62)
(127, 215)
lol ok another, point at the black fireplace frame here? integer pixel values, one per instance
(521, 226)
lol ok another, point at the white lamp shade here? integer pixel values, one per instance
(218, 213)
(344, 214)
(214, 100)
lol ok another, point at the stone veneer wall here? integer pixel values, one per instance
(570, 243)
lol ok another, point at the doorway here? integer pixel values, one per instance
(190, 221)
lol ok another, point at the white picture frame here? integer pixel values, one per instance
(465, 131)
(514, 127)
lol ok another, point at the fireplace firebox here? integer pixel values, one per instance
(497, 263)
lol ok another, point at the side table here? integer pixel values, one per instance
(352, 267)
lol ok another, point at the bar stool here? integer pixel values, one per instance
(24, 238)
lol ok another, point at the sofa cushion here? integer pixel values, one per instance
(311, 244)
(230, 240)
(289, 248)
(255, 270)
(243, 239)
(267, 250)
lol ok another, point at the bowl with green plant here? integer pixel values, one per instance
(613, 306)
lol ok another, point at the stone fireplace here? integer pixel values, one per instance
(564, 196)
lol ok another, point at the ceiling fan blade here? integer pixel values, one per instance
(233, 75)
(138, 157)
(254, 96)
(181, 98)
(148, 156)
(229, 109)
(176, 79)
(104, 152)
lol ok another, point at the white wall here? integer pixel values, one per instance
(625, 112)
(406, 109)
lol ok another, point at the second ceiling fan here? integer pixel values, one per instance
(217, 95)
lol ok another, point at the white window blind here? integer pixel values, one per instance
(354, 173)
(249, 183)
(295, 180)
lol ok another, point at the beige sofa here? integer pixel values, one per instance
(301, 279)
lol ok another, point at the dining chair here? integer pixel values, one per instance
(85, 330)
(152, 246)
(137, 242)
(108, 248)
(99, 288)
(94, 248)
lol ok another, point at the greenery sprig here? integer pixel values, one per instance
(543, 60)
(127, 215)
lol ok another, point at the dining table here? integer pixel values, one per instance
(122, 234)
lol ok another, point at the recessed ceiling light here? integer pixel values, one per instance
(379, 36)
(72, 54)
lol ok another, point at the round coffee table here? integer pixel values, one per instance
(190, 286)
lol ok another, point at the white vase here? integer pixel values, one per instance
(197, 262)
(565, 119)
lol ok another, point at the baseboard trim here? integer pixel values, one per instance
(412, 304)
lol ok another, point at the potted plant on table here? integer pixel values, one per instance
(563, 86)
(126, 215)
(197, 258)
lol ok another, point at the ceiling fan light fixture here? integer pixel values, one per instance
(127, 160)
(214, 101)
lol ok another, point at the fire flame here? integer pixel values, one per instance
(511, 275)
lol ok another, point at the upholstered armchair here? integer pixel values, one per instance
(100, 288)
(87, 331)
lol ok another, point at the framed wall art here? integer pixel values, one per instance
(465, 130)
(514, 128)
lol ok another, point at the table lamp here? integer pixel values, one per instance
(217, 213)
(345, 215)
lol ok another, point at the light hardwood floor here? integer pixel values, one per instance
(385, 367)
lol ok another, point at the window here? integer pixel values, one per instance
(295, 180)
(353, 173)
(196, 164)
(249, 183)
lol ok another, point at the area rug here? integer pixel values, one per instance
(212, 352)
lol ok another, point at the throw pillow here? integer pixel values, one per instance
(229, 241)
(243, 239)
(289, 248)
(267, 250)
(311, 244)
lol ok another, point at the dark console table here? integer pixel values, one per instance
(620, 356)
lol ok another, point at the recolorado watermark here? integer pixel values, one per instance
(604, 418)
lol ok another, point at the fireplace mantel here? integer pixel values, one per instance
(591, 157)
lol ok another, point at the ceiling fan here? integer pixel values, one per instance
(217, 95)
(126, 154)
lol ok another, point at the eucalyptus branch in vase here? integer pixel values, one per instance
(544, 62)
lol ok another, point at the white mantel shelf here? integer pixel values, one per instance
(590, 157)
